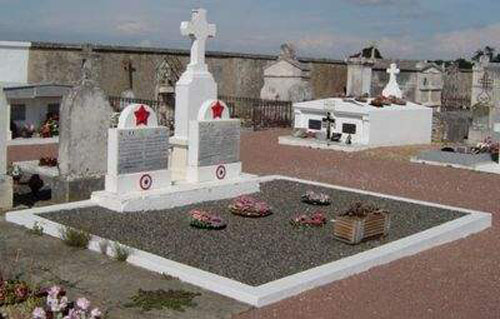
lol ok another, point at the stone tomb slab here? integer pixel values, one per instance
(315, 258)
(214, 152)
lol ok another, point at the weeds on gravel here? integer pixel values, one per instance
(36, 230)
(75, 238)
(121, 253)
(158, 299)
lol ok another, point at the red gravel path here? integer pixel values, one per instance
(458, 280)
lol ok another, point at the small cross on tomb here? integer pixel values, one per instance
(199, 30)
(393, 71)
(329, 120)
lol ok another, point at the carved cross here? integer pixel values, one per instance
(199, 30)
(130, 69)
(393, 71)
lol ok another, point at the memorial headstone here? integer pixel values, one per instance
(392, 88)
(195, 86)
(137, 152)
(6, 193)
(85, 118)
(214, 145)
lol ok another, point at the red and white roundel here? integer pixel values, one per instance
(220, 172)
(146, 182)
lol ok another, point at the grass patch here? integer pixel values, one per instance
(158, 299)
(36, 230)
(75, 238)
(121, 253)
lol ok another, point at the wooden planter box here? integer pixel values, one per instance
(354, 230)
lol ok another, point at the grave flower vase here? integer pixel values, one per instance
(355, 229)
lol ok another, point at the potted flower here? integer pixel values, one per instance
(313, 198)
(204, 220)
(361, 222)
(248, 206)
(317, 219)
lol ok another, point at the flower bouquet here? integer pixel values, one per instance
(204, 220)
(313, 198)
(58, 307)
(13, 292)
(48, 161)
(248, 206)
(318, 219)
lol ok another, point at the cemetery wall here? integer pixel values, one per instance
(236, 74)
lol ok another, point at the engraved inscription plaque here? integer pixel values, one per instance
(219, 143)
(142, 150)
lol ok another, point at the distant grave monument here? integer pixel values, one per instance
(85, 118)
(6, 193)
(287, 79)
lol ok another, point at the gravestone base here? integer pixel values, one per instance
(70, 190)
(178, 159)
(196, 174)
(6, 192)
(176, 195)
(129, 183)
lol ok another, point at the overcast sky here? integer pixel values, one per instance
(420, 29)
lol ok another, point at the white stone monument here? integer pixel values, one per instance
(214, 148)
(6, 193)
(137, 153)
(392, 88)
(195, 86)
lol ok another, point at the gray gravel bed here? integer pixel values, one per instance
(252, 251)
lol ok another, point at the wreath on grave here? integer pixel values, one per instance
(317, 219)
(204, 220)
(313, 198)
(248, 206)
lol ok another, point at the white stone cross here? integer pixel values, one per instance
(392, 88)
(199, 30)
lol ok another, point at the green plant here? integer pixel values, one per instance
(75, 238)
(121, 252)
(37, 229)
(159, 299)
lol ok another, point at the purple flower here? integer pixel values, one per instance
(95, 313)
(83, 303)
(39, 313)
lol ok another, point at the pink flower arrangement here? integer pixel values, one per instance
(249, 207)
(317, 219)
(58, 306)
(205, 220)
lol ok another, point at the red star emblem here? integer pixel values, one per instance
(217, 110)
(141, 116)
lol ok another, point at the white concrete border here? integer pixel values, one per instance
(492, 167)
(322, 145)
(292, 285)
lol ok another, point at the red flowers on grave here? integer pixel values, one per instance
(248, 206)
(204, 220)
(317, 219)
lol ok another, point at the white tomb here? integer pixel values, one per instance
(137, 152)
(361, 124)
(6, 193)
(214, 148)
(367, 125)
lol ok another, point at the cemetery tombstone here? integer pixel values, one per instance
(214, 146)
(392, 88)
(6, 193)
(85, 118)
(137, 152)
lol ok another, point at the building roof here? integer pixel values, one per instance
(31, 91)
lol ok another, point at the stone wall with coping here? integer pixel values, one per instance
(236, 74)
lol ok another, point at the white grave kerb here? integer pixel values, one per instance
(392, 87)
(137, 153)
